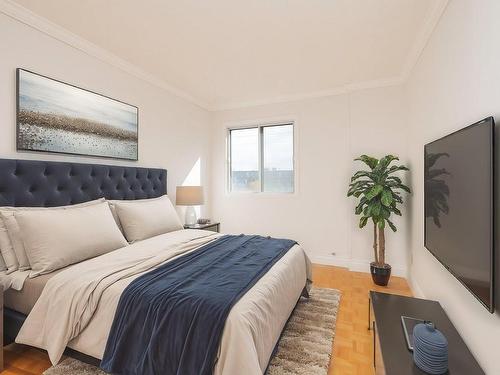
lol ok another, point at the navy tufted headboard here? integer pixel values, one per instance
(33, 183)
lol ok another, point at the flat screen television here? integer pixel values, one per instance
(459, 206)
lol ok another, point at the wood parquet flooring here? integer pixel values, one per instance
(352, 348)
(353, 344)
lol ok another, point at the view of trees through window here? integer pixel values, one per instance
(261, 159)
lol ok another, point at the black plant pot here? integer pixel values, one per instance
(380, 274)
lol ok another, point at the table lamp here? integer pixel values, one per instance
(189, 196)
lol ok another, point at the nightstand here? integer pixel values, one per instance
(214, 227)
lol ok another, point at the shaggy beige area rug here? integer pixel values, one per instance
(305, 347)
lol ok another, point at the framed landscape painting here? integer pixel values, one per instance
(54, 116)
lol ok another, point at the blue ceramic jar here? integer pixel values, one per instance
(430, 349)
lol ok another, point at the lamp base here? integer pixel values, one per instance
(190, 217)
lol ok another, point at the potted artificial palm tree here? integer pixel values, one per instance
(379, 193)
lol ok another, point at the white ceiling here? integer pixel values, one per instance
(227, 53)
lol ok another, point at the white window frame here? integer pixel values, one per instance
(260, 125)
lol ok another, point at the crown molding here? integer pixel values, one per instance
(61, 34)
(57, 32)
(433, 16)
(423, 37)
(339, 90)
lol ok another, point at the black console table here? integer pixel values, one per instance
(391, 355)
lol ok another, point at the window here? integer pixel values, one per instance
(261, 159)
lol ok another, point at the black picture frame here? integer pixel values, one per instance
(20, 147)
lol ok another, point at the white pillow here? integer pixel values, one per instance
(8, 254)
(146, 218)
(56, 238)
(14, 240)
(3, 267)
(112, 206)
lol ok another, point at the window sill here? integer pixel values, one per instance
(256, 194)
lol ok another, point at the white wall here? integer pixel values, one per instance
(330, 132)
(173, 133)
(455, 83)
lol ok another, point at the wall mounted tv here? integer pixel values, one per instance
(459, 206)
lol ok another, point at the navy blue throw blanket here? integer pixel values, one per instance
(170, 320)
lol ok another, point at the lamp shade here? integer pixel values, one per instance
(189, 195)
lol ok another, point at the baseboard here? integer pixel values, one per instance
(356, 265)
(328, 260)
(359, 265)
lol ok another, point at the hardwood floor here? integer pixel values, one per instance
(353, 343)
(352, 348)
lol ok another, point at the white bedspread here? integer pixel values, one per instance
(77, 306)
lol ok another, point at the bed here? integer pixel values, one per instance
(253, 325)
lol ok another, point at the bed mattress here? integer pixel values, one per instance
(85, 306)
(23, 300)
